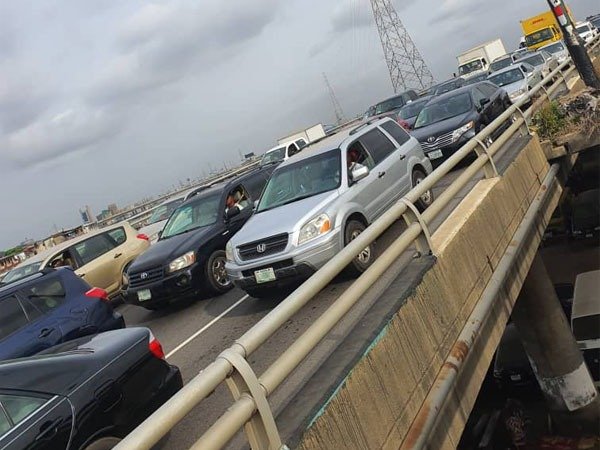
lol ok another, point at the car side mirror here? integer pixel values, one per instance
(232, 212)
(359, 173)
(484, 101)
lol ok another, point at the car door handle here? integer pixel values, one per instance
(117, 255)
(48, 430)
(45, 332)
(381, 175)
(402, 157)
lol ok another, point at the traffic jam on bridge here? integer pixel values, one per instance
(102, 329)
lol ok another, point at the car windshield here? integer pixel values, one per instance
(21, 272)
(412, 109)
(370, 112)
(534, 60)
(500, 64)
(470, 67)
(538, 36)
(199, 213)
(163, 212)
(447, 87)
(273, 156)
(303, 179)
(555, 48)
(388, 105)
(582, 29)
(596, 22)
(508, 77)
(444, 109)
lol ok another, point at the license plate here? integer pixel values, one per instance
(264, 275)
(515, 377)
(144, 295)
(435, 154)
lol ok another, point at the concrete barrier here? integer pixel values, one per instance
(376, 404)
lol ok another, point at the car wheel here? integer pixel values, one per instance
(105, 443)
(216, 275)
(364, 259)
(427, 198)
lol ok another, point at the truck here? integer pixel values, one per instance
(309, 134)
(478, 59)
(542, 29)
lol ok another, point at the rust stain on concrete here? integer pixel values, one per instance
(448, 366)
(460, 351)
(417, 427)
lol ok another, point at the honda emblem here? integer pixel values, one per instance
(144, 275)
(260, 248)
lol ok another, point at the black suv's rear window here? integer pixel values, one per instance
(43, 296)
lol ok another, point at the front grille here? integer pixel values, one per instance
(275, 266)
(440, 142)
(267, 246)
(144, 277)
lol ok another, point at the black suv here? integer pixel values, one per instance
(189, 257)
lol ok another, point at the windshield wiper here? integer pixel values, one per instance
(185, 231)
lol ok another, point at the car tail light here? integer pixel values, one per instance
(143, 237)
(155, 347)
(98, 293)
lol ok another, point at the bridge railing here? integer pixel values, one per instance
(251, 391)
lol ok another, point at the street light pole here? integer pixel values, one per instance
(577, 50)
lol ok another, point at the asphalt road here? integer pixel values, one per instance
(194, 333)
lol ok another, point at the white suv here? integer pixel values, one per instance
(317, 202)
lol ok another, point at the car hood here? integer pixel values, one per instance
(445, 126)
(166, 250)
(513, 87)
(283, 219)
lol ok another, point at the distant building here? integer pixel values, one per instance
(249, 155)
(86, 215)
(112, 209)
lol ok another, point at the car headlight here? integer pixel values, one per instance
(229, 251)
(518, 93)
(182, 262)
(314, 227)
(456, 134)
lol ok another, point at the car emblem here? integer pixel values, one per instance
(431, 139)
(144, 275)
(260, 248)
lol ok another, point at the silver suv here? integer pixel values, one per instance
(318, 201)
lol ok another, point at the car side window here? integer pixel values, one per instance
(93, 248)
(377, 144)
(293, 149)
(118, 235)
(18, 407)
(396, 131)
(13, 316)
(301, 143)
(43, 297)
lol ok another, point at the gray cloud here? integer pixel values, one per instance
(163, 43)
(347, 16)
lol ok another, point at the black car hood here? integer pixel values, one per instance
(61, 369)
(445, 126)
(166, 250)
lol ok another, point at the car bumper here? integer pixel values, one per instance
(439, 155)
(289, 267)
(177, 286)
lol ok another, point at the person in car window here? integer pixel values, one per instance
(353, 160)
(235, 199)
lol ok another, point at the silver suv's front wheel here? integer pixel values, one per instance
(427, 198)
(364, 259)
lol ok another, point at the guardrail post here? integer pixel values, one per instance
(525, 123)
(489, 169)
(261, 429)
(412, 215)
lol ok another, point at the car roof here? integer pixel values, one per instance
(332, 142)
(460, 90)
(508, 68)
(392, 97)
(45, 254)
(586, 301)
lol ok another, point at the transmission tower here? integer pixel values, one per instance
(337, 108)
(405, 63)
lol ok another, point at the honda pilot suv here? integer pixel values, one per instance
(320, 200)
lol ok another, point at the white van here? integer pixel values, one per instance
(585, 320)
(282, 152)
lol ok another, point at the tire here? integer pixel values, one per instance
(216, 277)
(365, 258)
(426, 199)
(105, 443)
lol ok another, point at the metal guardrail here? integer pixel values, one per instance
(251, 391)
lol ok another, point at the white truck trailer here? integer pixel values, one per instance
(478, 59)
(309, 135)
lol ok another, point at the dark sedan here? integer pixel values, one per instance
(409, 112)
(84, 394)
(447, 122)
(48, 308)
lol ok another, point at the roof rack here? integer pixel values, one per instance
(363, 125)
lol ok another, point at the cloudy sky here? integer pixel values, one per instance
(110, 101)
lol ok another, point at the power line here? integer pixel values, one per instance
(405, 63)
